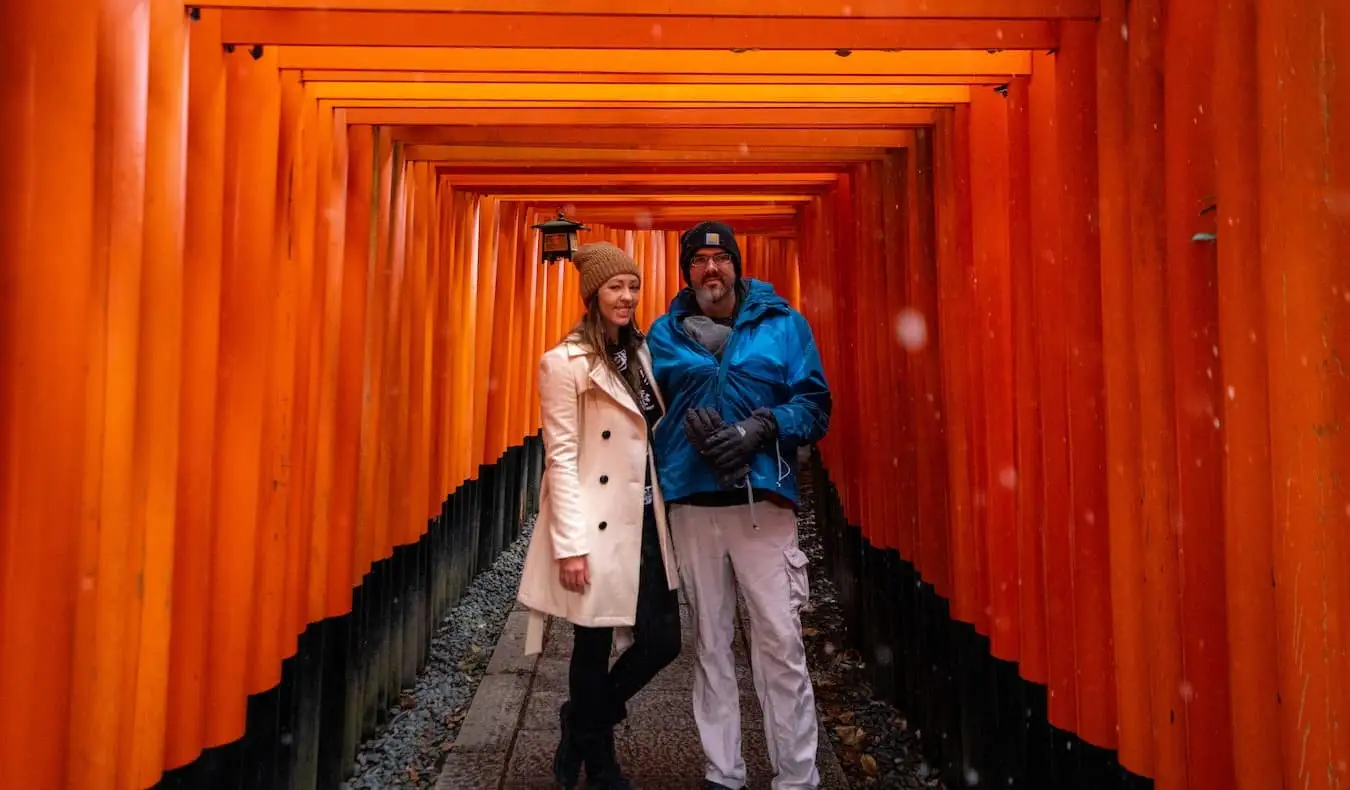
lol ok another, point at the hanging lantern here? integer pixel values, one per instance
(559, 238)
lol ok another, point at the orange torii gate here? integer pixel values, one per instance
(270, 312)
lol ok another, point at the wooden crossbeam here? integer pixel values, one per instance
(649, 93)
(490, 156)
(547, 78)
(572, 31)
(816, 9)
(562, 63)
(524, 181)
(628, 136)
(398, 114)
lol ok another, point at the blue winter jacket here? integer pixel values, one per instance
(769, 360)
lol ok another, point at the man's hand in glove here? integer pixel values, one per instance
(730, 449)
(700, 425)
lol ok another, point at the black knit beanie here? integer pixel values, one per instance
(709, 234)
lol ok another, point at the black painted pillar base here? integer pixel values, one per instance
(337, 689)
(980, 723)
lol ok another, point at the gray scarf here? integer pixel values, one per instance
(707, 333)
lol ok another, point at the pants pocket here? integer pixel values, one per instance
(799, 583)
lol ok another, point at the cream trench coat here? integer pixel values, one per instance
(591, 497)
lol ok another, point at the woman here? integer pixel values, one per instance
(600, 556)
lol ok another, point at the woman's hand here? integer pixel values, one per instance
(575, 573)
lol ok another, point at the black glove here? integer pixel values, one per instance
(730, 449)
(699, 426)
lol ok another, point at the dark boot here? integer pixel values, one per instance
(567, 760)
(602, 763)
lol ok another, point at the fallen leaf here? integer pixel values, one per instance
(809, 631)
(869, 764)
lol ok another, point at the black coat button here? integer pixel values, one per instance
(604, 435)
(604, 524)
(604, 479)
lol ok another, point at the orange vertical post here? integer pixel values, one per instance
(348, 540)
(1129, 613)
(108, 564)
(159, 392)
(273, 469)
(46, 235)
(195, 523)
(1253, 678)
(1153, 362)
(1303, 250)
(1080, 245)
(330, 265)
(988, 368)
(1196, 369)
(253, 108)
(1036, 189)
(922, 331)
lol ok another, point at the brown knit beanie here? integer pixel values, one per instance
(597, 262)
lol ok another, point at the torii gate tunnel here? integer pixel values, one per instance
(271, 310)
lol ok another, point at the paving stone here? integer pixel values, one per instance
(514, 726)
(509, 654)
(495, 713)
(465, 770)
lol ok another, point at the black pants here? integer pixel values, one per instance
(600, 693)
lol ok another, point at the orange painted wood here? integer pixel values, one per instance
(590, 77)
(1248, 509)
(1050, 300)
(108, 563)
(1158, 514)
(919, 327)
(1129, 613)
(860, 9)
(330, 267)
(348, 540)
(1304, 243)
(194, 523)
(273, 476)
(404, 114)
(247, 27)
(621, 94)
(45, 347)
(280, 336)
(544, 61)
(155, 483)
(253, 108)
(1076, 102)
(1035, 188)
(1191, 291)
(953, 264)
(991, 366)
(303, 254)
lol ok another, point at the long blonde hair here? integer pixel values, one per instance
(589, 332)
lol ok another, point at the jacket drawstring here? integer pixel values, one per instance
(750, 490)
(750, 495)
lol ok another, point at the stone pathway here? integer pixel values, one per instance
(511, 730)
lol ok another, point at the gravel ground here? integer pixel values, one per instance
(871, 738)
(408, 752)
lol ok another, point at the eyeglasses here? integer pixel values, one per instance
(699, 261)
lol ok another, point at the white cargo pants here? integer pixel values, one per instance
(711, 542)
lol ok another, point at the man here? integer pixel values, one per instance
(740, 366)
